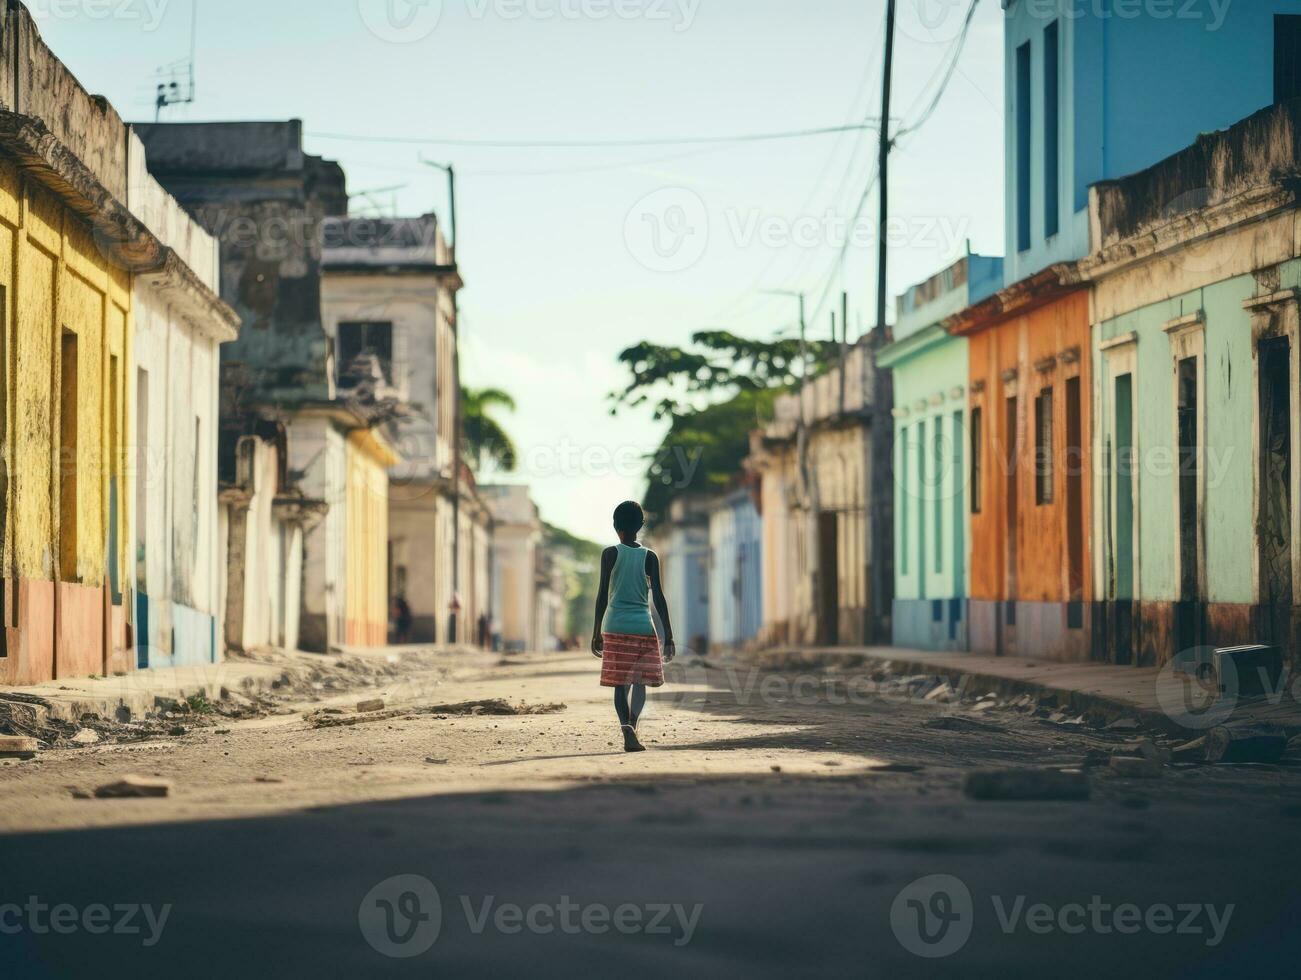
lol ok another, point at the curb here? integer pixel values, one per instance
(1076, 702)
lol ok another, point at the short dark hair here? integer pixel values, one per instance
(629, 517)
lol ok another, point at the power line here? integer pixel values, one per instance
(861, 104)
(958, 44)
(870, 124)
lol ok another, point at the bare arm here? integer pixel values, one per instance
(602, 599)
(661, 604)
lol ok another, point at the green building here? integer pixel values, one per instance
(930, 460)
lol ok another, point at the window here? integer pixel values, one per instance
(142, 479)
(937, 481)
(1043, 447)
(68, 489)
(1075, 520)
(977, 460)
(1122, 466)
(903, 502)
(1052, 85)
(372, 337)
(1023, 147)
(1287, 57)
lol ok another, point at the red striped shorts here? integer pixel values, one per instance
(631, 660)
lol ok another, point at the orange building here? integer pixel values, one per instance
(1029, 429)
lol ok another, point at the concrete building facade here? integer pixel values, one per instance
(516, 557)
(266, 201)
(180, 324)
(814, 494)
(1197, 277)
(390, 289)
(931, 447)
(735, 571)
(682, 545)
(71, 245)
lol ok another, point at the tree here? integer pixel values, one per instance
(485, 439)
(723, 364)
(713, 395)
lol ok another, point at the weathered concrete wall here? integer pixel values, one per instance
(35, 83)
(838, 489)
(56, 283)
(252, 187)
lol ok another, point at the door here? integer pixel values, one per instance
(829, 578)
(1275, 468)
(1007, 622)
(1190, 612)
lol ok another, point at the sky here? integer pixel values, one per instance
(571, 254)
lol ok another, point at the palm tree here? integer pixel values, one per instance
(485, 440)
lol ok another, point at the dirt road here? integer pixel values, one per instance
(779, 824)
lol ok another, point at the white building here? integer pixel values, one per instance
(516, 544)
(389, 291)
(180, 323)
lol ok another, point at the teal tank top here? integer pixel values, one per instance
(628, 611)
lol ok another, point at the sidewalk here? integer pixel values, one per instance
(131, 696)
(1158, 698)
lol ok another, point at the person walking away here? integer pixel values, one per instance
(623, 636)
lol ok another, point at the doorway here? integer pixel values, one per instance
(1190, 614)
(68, 461)
(1275, 469)
(829, 577)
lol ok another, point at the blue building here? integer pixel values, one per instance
(736, 570)
(1098, 89)
(683, 548)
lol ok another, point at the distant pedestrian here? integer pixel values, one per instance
(485, 631)
(402, 620)
(623, 636)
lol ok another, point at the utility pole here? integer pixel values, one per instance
(881, 489)
(454, 606)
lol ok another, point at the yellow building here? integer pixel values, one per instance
(369, 456)
(66, 311)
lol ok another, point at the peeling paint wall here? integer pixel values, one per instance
(1030, 541)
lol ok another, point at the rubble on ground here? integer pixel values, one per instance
(333, 718)
(302, 677)
(134, 787)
